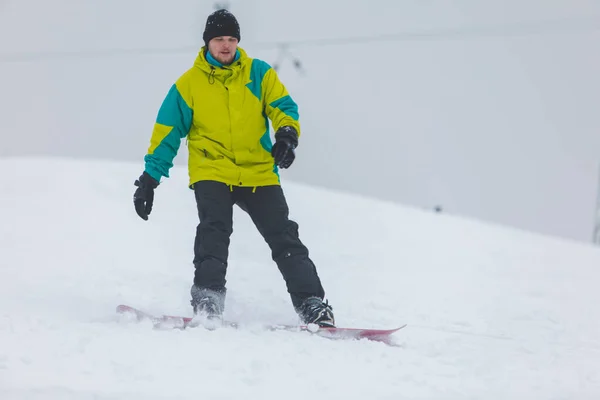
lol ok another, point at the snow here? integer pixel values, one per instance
(492, 312)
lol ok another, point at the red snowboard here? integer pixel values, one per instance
(170, 321)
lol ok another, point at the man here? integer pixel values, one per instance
(221, 105)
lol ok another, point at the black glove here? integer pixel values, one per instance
(144, 195)
(286, 141)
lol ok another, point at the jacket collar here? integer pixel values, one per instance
(206, 65)
(213, 61)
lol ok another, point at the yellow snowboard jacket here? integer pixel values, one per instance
(224, 112)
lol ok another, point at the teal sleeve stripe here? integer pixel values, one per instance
(257, 73)
(265, 140)
(176, 113)
(161, 161)
(156, 168)
(267, 144)
(287, 106)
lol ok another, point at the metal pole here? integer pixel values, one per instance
(596, 237)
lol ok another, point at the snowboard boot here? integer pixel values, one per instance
(207, 303)
(314, 311)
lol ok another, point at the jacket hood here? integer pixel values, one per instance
(202, 63)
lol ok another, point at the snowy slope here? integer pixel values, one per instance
(493, 313)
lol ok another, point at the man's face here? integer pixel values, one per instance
(223, 49)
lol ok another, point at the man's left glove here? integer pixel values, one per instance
(144, 195)
(286, 141)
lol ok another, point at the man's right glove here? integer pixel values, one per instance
(144, 195)
(286, 140)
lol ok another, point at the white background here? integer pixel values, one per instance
(486, 108)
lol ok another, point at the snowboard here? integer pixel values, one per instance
(180, 322)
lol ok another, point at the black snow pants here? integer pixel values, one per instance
(269, 211)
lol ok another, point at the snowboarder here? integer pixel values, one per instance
(221, 106)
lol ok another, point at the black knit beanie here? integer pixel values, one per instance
(221, 23)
